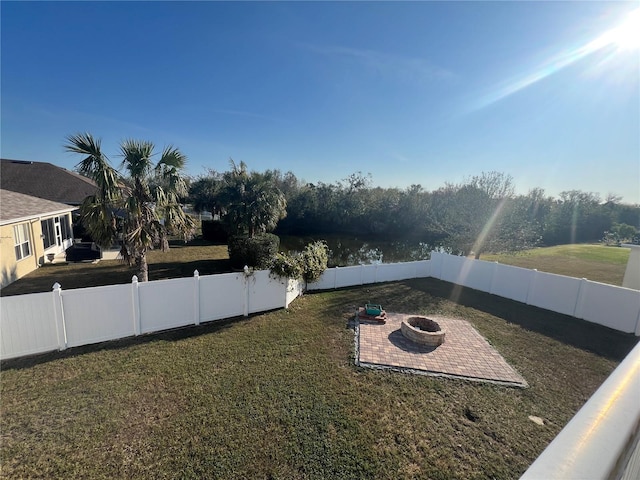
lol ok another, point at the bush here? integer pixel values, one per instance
(286, 265)
(257, 251)
(314, 260)
(308, 264)
(214, 231)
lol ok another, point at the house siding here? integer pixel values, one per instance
(13, 269)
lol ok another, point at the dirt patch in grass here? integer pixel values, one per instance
(277, 396)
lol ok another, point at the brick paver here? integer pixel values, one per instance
(464, 353)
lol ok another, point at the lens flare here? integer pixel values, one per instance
(624, 37)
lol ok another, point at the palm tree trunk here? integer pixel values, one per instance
(143, 267)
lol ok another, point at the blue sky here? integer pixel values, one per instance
(416, 92)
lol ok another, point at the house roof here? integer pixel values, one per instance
(45, 180)
(18, 207)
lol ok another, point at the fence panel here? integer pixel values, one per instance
(451, 268)
(348, 276)
(611, 306)
(97, 314)
(388, 272)
(326, 281)
(166, 304)
(294, 290)
(511, 282)
(554, 292)
(369, 273)
(477, 274)
(265, 292)
(222, 296)
(27, 325)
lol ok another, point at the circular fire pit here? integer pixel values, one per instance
(422, 330)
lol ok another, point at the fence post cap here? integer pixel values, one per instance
(57, 286)
(246, 270)
(196, 273)
(134, 279)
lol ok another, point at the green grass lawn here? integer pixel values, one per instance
(277, 396)
(180, 261)
(599, 263)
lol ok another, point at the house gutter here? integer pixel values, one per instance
(39, 216)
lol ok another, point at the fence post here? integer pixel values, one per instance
(494, 275)
(437, 264)
(532, 286)
(582, 291)
(245, 308)
(135, 296)
(335, 277)
(196, 296)
(58, 312)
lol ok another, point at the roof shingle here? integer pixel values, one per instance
(15, 207)
(45, 180)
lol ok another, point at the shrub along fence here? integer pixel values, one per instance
(60, 319)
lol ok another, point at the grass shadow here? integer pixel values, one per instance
(172, 335)
(601, 340)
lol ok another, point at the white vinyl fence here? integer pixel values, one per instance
(60, 319)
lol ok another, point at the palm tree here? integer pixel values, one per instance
(141, 208)
(253, 202)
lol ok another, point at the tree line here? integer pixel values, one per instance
(480, 214)
(139, 205)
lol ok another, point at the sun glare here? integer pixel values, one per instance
(625, 38)
(627, 34)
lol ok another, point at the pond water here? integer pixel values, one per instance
(345, 250)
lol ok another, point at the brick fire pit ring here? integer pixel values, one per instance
(422, 330)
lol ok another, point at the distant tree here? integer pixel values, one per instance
(496, 185)
(141, 206)
(483, 215)
(252, 201)
(205, 193)
(577, 217)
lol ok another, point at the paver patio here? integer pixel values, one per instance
(465, 353)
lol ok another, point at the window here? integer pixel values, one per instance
(48, 232)
(66, 228)
(22, 245)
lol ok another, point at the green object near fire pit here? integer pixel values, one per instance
(373, 309)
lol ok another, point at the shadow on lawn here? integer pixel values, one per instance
(178, 269)
(603, 341)
(173, 335)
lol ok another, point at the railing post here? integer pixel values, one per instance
(135, 297)
(58, 311)
(196, 297)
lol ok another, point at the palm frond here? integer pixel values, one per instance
(172, 157)
(136, 157)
